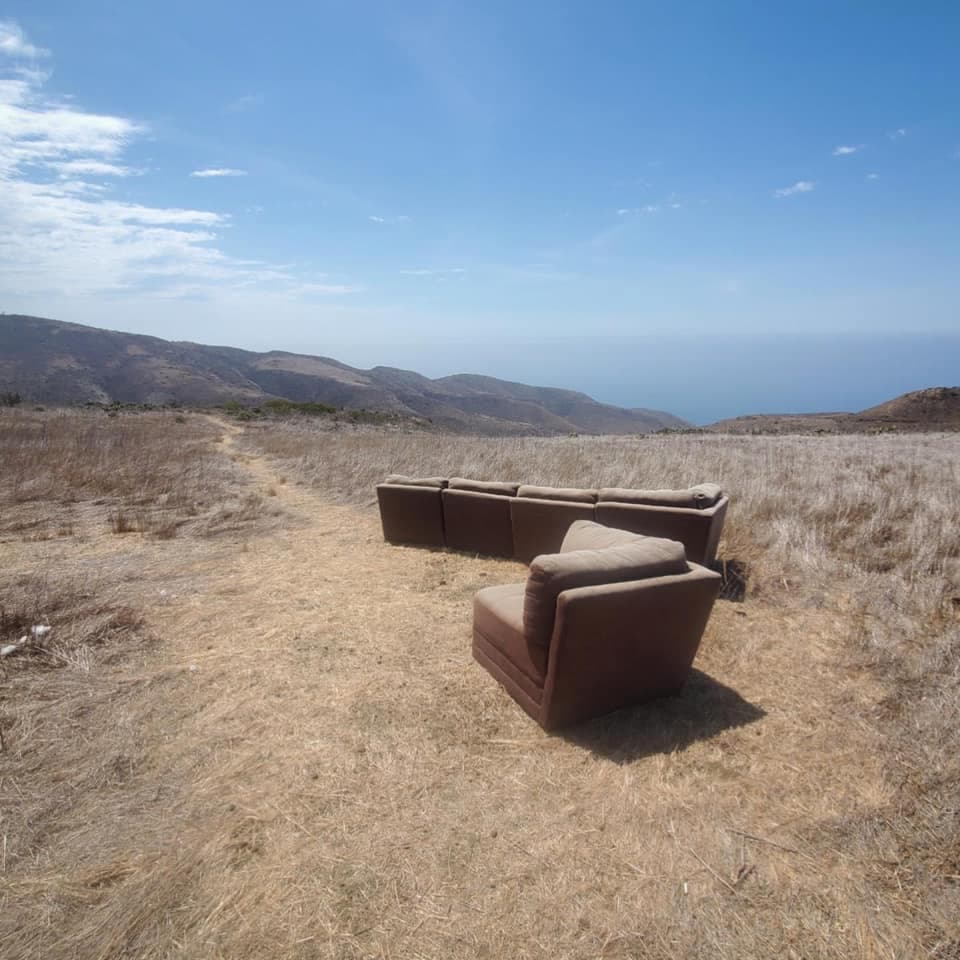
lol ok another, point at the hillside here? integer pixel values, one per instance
(48, 361)
(935, 408)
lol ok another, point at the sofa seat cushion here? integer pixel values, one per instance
(498, 618)
(495, 487)
(570, 494)
(399, 479)
(551, 574)
(696, 498)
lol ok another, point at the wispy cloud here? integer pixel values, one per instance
(648, 208)
(399, 219)
(219, 172)
(13, 43)
(845, 151)
(63, 233)
(93, 168)
(248, 101)
(801, 186)
(433, 272)
(897, 134)
(670, 204)
(873, 176)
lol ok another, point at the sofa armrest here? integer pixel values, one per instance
(624, 643)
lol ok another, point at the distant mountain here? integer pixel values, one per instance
(48, 361)
(935, 408)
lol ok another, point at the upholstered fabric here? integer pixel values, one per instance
(411, 514)
(496, 487)
(539, 526)
(551, 574)
(400, 479)
(698, 530)
(498, 615)
(589, 535)
(478, 522)
(567, 494)
(696, 498)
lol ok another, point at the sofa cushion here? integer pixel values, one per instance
(484, 486)
(551, 574)
(699, 497)
(570, 494)
(400, 480)
(589, 535)
(498, 618)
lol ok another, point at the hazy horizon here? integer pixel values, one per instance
(730, 375)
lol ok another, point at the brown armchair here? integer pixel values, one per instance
(613, 619)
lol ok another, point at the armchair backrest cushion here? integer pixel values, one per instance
(551, 574)
(700, 497)
(590, 535)
(398, 479)
(570, 494)
(495, 487)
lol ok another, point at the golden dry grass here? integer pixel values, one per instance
(305, 762)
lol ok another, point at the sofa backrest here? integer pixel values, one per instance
(568, 494)
(699, 497)
(398, 479)
(637, 558)
(495, 487)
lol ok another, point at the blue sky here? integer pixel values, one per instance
(684, 205)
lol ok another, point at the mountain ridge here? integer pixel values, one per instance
(58, 362)
(929, 409)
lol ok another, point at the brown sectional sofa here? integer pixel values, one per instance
(507, 519)
(611, 619)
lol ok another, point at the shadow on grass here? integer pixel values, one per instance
(704, 709)
(734, 584)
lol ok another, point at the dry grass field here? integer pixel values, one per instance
(255, 730)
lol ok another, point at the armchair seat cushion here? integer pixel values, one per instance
(498, 618)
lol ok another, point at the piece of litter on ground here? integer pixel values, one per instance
(11, 648)
(41, 630)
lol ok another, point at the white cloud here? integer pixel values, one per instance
(219, 172)
(13, 43)
(846, 151)
(400, 219)
(247, 102)
(873, 176)
(898, 133)
(93, 168)
(648, 208)
(63, 234)
(801, 186)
